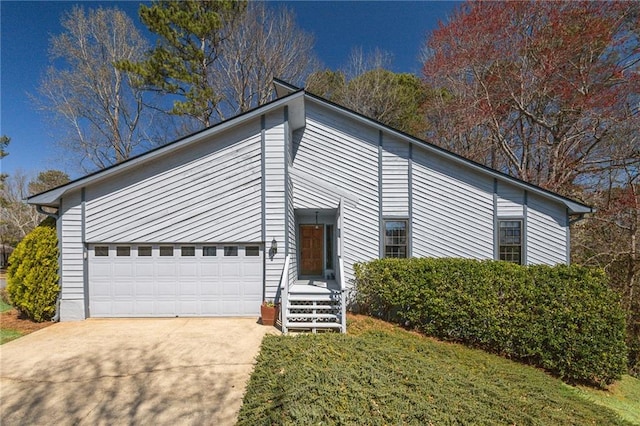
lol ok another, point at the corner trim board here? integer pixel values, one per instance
(525, 229)
(410, 184)
(380, 213)
(263, 201)
(495, 219)
(85, 253)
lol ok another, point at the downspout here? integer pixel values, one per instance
(56, 215)
(579, 218)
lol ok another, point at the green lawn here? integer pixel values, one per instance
(623, 397)
(4, 307)
(7, 335)
(378, 374)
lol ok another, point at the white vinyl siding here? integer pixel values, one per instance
(210, 192)
(395, 177)
(344, 154)
(510, 200)
(71, 258)
(275, 209)
(452, 209)
(546, 231)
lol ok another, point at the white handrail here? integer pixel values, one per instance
(343, 295)
(284, 293)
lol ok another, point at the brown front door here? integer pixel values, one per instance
(312, 250)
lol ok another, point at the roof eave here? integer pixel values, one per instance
(573, 206)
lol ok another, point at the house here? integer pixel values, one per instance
(279, 203)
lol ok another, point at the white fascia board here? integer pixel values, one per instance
(573, 206)
(52, 197)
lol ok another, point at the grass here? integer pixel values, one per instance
(7, 334)
(379, 374)
(623, 397)
(5, 307)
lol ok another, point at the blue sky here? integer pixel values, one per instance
(397, 27)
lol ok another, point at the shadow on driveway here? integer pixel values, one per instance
(130, 371)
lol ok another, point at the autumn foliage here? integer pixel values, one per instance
(534, 88)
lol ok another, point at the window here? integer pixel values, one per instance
(230, 250)
(100, 251)
(187, 251)
(209, 251)
(123, 251)
(395, 238)
(144, 251)
(252, 251)
(510, 240)
(166, 251)
(329, 246)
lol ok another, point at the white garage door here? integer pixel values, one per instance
(167, 280)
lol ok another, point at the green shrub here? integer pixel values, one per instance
(32, 276)
(563, 318)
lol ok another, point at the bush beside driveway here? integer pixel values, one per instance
(133, 371)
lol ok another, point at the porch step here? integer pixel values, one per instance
(332, 307)
(311, 297)
(312, 315)
(313, 325)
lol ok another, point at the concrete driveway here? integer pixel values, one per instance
(129, 371)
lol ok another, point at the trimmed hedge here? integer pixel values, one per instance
(562, 318)
(32, 276)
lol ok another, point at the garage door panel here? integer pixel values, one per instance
(188, 289)
(121, 289)
(165, 269)
(124, 270)
(165, 308)
(122, 307)
(188, 269)
(167, 286)
(145, 308)
(145, 270)
(144, 290)
(209, 269)
(229, 269)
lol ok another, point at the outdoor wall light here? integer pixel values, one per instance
(274, 246)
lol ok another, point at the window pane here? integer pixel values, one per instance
(395, 251)
(511, 254)
(188, 251)
(209, 251)
(329, 245)
(396, 232)
(166, 251)
(230, 250)
(510, 232)
(123, 251)
(144, 251)
(252, 251)
(101, 251)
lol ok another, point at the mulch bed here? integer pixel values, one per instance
(12, 321)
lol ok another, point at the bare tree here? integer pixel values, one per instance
(366, 85)
(101, 110)
(18, 218)
(263, 44)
